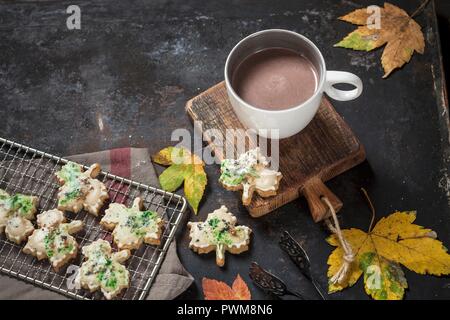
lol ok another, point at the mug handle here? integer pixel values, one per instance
(334, 77)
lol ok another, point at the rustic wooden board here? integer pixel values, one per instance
(323, 150)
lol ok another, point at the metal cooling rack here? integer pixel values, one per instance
(30, 171)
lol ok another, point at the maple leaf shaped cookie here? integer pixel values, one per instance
(132, 226)
(80, 189)
(15, 214)
(103, 269)
(249, 173)
(53, 240)
(219, 233)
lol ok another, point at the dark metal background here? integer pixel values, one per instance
(123, 80)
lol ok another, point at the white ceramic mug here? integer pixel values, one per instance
(287, 121)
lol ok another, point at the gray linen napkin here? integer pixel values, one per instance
(172, 279)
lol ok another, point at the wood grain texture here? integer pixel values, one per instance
(323, 150)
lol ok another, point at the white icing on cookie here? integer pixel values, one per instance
(18, 229)
(53, 240)
(249, 173)
(132, 226)
(80, 189)
(97, 190)
(16, 211)
(103, 270)
(50, 218)
(219, 233)
(267, 180)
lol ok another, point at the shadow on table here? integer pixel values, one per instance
(444, 31)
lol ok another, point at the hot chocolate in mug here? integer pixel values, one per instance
(290, 120)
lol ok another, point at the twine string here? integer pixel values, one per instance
(349, 256)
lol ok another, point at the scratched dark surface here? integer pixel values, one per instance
(123, 80)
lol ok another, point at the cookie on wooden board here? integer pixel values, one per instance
(16, 211)
(53, 239)
(249, 173)
(132, 226)
(79, 189)
(218, 232)
(103, 270)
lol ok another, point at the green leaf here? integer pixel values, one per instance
(194, 185)
(172, 178)
(383, 279)
(186, 167)
(357, 41)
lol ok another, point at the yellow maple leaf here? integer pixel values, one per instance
(394, 240)
(401, 34)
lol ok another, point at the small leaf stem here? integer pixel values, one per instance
(372, 208)
(420, 8)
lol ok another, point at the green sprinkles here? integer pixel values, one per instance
(100, 275)
(67, 249)
(137, 222)
(221, 236)
(112, 282)
(49, 243)
(220, 231)
(107, 274)
(69, 172)
(55, 244)
(21, 203)
(73, 193)
(214, 222)
(233, 173)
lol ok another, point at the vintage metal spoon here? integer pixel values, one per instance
(299, 257)
(269, 282)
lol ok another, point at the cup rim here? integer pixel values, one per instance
(298, 35)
